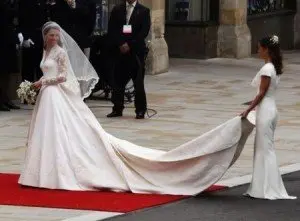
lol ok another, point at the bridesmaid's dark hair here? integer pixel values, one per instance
(273, 46)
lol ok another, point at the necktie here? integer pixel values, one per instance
(128, 12)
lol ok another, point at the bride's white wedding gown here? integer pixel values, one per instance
(68, 149)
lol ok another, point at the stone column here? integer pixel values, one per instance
(297, 26)
(234, 37)
(158, 57)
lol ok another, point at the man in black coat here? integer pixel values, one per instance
(76, 17)
(84, 17)
(128, 28)
(60, 11)
(8, 53)
(32, 16)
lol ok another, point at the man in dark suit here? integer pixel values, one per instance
(60, 11)
(128, 28)
(84, 17)
(8, 53)
(32, 16)
(77, 18)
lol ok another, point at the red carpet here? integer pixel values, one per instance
(11, 193)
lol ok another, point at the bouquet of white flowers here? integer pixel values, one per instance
(27, 92)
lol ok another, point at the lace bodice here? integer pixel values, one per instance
(267, 70)
(54, 66)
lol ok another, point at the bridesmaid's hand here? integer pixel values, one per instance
(244, 114)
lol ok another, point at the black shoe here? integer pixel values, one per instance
(140, 115)
(3, 107)
(11, 105)
(115, 114)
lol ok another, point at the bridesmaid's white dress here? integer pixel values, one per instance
(266, 180)
(68, 149)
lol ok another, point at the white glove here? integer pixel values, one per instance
(87, 52)
(21, 38)
(28, 43)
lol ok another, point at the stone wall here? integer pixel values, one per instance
(281, 25)
(192, 41)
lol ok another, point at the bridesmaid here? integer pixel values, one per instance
(266, 180)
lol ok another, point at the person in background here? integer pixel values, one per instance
(32, 15)
(84, 16)
(128, 28)
(8, 52)
(77, 17)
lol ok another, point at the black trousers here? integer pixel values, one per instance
(4, 86)
(129, 66)
(31, 58)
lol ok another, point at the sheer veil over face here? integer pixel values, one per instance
(80, 71)
(52, 37)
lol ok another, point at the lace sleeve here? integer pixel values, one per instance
(61, 70)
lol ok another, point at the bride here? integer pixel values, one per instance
(68, 149)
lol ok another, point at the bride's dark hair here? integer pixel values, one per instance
(46, 31)
(273, 46)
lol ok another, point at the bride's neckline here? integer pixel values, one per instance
(47, 53)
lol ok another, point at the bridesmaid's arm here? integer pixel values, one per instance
(263, 88)
(61, 69)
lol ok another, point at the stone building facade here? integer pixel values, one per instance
(223, 28)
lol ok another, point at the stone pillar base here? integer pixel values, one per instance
(158, 58)
(234, 41)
